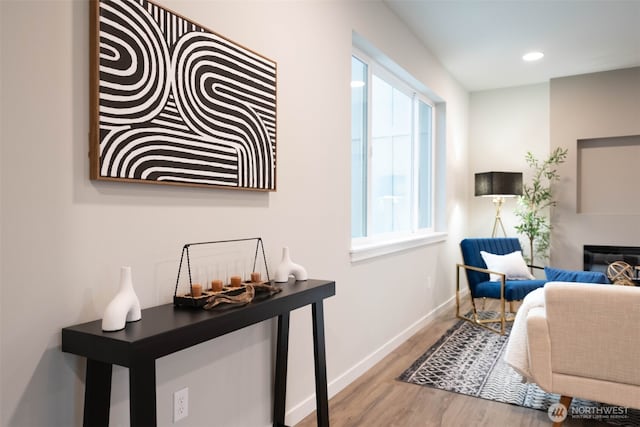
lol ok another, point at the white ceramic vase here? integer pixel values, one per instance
(288, 267)
(124, 307)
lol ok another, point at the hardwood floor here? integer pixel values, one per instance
(378, 399)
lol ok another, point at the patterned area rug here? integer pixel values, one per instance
(469, 360)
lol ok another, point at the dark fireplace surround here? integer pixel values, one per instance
(598, 258)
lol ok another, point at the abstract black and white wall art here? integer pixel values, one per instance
(175, 103)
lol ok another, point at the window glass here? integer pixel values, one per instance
(392, 154)
(390, 159)
(425, 165)
(358, 147)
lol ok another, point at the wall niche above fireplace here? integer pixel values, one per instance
(607, 181)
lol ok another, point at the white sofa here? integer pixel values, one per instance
(580, 340)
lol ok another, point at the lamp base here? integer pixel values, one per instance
(498, 201)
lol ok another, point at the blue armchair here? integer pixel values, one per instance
(481, 285)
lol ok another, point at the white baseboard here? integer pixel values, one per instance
(308, 405)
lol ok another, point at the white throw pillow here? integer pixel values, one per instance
(512, 265)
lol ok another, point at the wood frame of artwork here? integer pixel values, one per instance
(175, 103)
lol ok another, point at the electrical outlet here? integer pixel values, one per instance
(180, 404)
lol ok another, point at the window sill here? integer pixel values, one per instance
(370, 250)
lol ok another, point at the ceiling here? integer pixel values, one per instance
(481, 42)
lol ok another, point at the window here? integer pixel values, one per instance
(392, 145)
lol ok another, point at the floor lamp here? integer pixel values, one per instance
(498, 185)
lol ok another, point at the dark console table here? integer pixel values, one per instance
(166, 329)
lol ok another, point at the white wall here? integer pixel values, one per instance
(598, 105)
(64, 237)
(1, 199)
(505, 124)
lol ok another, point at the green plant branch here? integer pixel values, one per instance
(536, 200)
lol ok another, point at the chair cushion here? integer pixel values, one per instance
(559, 275)
(514, 290)
(512, 265)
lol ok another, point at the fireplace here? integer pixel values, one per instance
(598, 258)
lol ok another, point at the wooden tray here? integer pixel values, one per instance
(201, 301)
(190, 301)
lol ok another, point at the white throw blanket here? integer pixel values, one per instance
(517, 352)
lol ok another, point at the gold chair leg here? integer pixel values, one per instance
(475, 318)
(474, 309)
(457, 291)
(473, 304)
(503, 316)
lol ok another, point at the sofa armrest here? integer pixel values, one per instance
(594, 330)
(539, 347)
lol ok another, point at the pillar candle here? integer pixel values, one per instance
(196, 290)
(216, 285)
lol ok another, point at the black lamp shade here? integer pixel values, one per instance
(499, 184)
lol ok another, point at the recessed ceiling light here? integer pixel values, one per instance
(532, 56)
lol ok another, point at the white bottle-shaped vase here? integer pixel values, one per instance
(124, 307)
(288, 267)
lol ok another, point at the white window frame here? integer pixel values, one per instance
(381, 244)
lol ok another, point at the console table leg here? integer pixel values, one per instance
(320, 358)
(97, 394)
(142, 393)
(282, 356)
